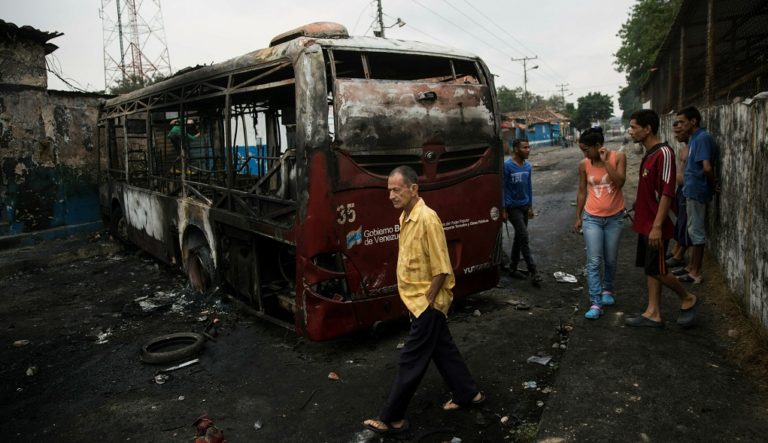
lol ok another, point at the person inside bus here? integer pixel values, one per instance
(177, 135)
(424, 281)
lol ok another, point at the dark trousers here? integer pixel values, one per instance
(429, 339)
(518, 216)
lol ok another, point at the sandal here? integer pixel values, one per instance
(450, 405)
(389, 429)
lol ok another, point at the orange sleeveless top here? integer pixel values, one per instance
(604, 198)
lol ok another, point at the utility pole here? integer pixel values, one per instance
(380, 16)
(563, 124)
(525, 83)
(562, 92)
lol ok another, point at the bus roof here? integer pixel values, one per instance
(290, 49)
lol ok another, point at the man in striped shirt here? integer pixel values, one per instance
(655, 194)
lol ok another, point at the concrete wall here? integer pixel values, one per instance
(48, 159)
(737, 219)
(22, 62)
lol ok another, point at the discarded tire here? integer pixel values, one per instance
(172, 347)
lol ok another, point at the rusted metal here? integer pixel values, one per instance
(307, 227)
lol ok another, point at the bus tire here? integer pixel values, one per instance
(118, 226)
(200, 269)
(172, 347)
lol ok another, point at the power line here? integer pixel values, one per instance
(482, 27)
(512, 37)
(354, 29)
(443, 42)
(461, 29)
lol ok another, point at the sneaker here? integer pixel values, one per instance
(688, 278)
(594, 312)
(677, 272)
(674, 262)
(607, 298)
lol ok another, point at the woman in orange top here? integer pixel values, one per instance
(599, 214)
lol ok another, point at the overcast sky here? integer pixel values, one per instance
(573, 40)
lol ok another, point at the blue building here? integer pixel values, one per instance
(545, 127)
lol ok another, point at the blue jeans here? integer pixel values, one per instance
(601, 234)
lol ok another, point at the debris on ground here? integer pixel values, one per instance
(161, 378)
(477, 313)
(529, 385)
(542, 360)
(206, 431)
(333, 376)
(180, 365)
(400, 345)
(563, 277)
(20, 343)
(258, 425)
(32, 370)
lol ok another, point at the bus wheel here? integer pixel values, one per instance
(200, 269)
(172, 347)
(118, 226)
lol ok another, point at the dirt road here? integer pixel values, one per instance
(79, 377)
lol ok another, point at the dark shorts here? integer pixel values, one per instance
(652, 261)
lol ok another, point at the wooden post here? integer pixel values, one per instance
(709, 83)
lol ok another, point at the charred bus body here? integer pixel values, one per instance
(268, 172)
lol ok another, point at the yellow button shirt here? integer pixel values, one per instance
(423, 254)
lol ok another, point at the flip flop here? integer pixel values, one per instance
(687, 317)
(457, 406)
(389, 428)
(643, 322)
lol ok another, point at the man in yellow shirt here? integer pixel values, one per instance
(424, 281)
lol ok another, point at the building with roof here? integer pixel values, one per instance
(48, 149)
(716, 51)
(542, 127)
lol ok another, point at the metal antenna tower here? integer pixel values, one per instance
(135, 48)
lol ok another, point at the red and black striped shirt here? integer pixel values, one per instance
(657, 178)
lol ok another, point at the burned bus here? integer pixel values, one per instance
(267, 173)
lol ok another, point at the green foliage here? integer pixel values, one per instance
(134, 82)
(629, 100)
(641, 36)
(511, 100)
(594, 106)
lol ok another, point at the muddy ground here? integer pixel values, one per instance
(79, 377)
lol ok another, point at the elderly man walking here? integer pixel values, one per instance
(424, 280)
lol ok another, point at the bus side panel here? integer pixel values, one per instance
(150, 217)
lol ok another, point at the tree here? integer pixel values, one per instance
(592, 107)
(641, 37)
(134, 82)
(511, 100)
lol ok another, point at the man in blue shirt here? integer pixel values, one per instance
(699, 184)
(518, 202)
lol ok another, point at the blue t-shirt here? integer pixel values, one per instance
(701, 146)
(518, 190)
